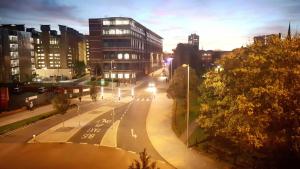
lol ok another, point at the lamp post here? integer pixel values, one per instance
(187, 104)
(112, 93)
(112, 81)
(170, 61)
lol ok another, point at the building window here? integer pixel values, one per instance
(106, 75)
(120, 76)
(126, 75)
(13, 38)
(113, 75)
(14, 63)
(15, 70)
(126, 56)
(122, 22)
(120, 56)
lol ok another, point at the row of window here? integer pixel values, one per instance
(115, 31)
(115, 22)
(119, 75)
(120, 56)
(116, 42)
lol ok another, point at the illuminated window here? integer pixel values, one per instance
(120, 56)
(126, 75)
(106, 22)
(106, 75)
(113, 75)
(120, 75)
(122, 22)
(126, 56)
(112, 31)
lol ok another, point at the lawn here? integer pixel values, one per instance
(18, 124)
(179, 114)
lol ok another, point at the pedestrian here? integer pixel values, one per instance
(31, 106)
(79, 98)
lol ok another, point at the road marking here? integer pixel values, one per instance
(118, 148)
(69, 142)
(83, 143)
(132, 134)
(132, 152)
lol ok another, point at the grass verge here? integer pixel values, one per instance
(18, 124)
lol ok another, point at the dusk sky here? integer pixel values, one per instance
(220, 24)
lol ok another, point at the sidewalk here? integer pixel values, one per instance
(63, 132)
(168, 145)
(14, 117)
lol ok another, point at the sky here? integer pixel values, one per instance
(221, 24)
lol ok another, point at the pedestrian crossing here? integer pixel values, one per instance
(143, 99)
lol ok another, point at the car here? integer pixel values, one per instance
(151, 84)
(17, 89)
(42, 89)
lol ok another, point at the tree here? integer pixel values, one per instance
(61, 103)
(144, 162)
(79, 68)
(178, 86)
(254, 102)
(94, 89)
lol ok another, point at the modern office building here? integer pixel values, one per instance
(122, 48)
(55, 53)
(17, 62)
(194, 40)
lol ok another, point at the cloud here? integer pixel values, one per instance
(38, 10)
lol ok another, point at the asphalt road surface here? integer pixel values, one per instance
(131, 134)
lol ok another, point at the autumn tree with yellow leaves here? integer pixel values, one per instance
(254, 100)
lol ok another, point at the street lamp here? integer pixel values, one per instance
(170, 61)
(112, 81)
(187, 104)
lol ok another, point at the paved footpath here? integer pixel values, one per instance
(63, 131)
(168, 145)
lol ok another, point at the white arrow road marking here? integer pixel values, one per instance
(132, 134)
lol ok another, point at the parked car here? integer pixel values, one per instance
(42, 89)
(17, 90)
